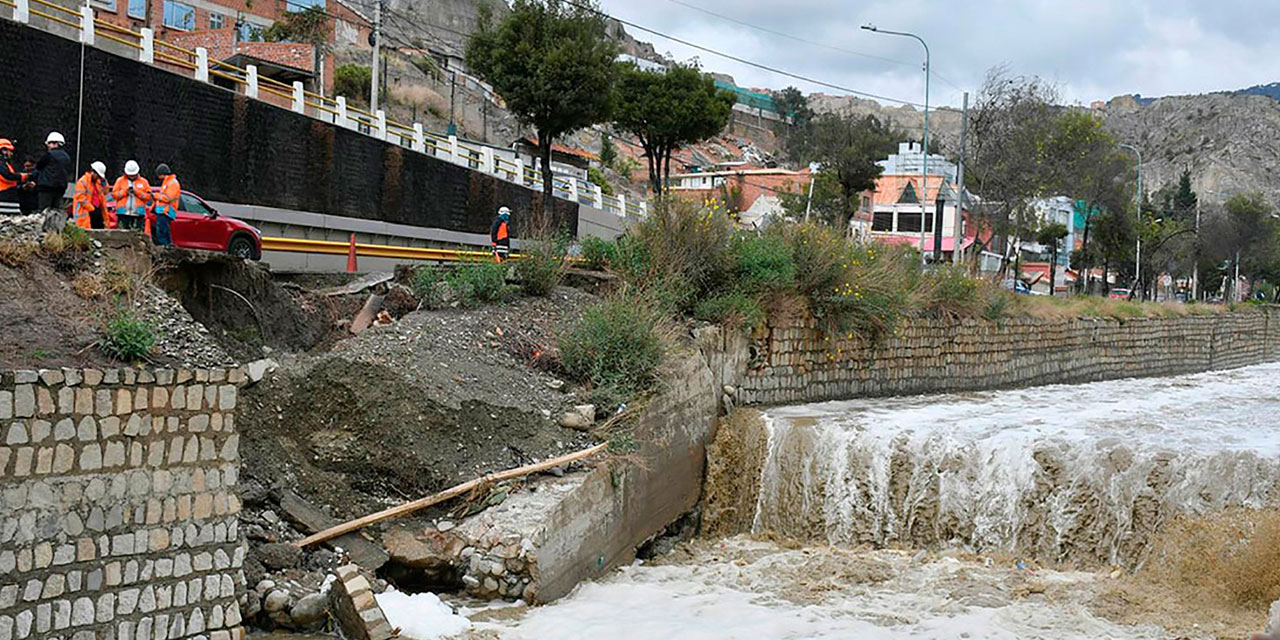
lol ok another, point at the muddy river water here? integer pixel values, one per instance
(1123, 509)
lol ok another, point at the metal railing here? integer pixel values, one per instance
(330, 247)
(333, 110)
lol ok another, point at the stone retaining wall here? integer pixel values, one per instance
(118, 509)
(796, 361)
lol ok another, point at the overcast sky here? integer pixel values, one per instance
(1092, 49)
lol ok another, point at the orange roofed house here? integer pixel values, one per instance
(901, 203)
(753, 193)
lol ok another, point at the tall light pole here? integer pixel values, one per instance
(375, 67)
(924, 167)
(1137, 264)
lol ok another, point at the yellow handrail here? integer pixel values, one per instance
(59, 7)
(121, 41)
(37, 12)
(175, 60)
(228, 76)
(297, 245)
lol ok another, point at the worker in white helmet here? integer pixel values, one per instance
(53, 172)
(132, 194)
(500, 235)
(89, 204)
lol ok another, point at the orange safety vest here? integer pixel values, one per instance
(141, 193)
(167, 197)
(502, 231)
(88, 197)
(6, 184)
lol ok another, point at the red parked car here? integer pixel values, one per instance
(199, 226)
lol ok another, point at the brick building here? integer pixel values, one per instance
(232, 31)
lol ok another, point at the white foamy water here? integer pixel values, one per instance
(1085, 471)
(740, 589)
(1088, 471)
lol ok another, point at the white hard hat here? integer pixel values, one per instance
(504, 210)
(131, 168)
(54, 136)
(100, 169)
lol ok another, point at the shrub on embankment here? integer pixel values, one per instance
(689, 261)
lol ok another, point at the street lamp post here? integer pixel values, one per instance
(1137, 264)
(924, 167)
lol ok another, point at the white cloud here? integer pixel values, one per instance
(1093, 49)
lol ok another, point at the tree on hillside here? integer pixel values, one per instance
(1051, 235)
(666, 110)
(847, 148)
(1085, 163)
(1011, 121)
(1183, 205)
(793, 106)
(310, 25)
(553, 64)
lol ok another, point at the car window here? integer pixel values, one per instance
(192, 205)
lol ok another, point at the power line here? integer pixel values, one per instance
(742, 60)
(809, 42)
(787, 35)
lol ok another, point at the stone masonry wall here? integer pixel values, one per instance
(118, 510)
(796, 361)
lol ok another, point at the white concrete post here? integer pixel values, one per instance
(148, 53)
(299, 97)
(597, 196)
(622, 204)
(573, 189)
(454, 157)
(251, 81)
(644, 209)
(487, 164)
(381, 124)
(202, 64)
(419, 138)
(519, 171)
(86, 25)
(22, 11)
(343, 119)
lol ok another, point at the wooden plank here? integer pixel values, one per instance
(310, 519)
(452, 492)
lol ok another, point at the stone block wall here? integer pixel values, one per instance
(118, 509)
(797, 361)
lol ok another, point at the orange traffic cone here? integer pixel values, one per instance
(351, 255)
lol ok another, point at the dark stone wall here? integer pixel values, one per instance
(226, 147)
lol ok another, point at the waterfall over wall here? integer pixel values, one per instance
(1086, 472)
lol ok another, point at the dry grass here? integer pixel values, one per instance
(1071, 307)
(15, 254)
(89, 286)
(1215, 574)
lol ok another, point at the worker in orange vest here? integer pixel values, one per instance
(132, 193)
(89, 204)
(166, 209)
(500, 235)
(11, 181)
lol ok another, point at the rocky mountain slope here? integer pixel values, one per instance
(1229, 141)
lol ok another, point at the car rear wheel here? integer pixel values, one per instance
(241, 247)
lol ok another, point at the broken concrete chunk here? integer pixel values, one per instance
(258, 369)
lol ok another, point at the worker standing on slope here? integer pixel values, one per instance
(166, 205)
(133, 194)
(54, 172)
(89, 204)
(500, 235)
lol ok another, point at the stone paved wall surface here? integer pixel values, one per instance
(796, 361)
(118, 509)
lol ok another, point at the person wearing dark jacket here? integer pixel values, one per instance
(28, 198)
(500, 235)
(53, 172)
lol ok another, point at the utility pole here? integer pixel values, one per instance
(376, 67)
(1137, 264)
(808, 205)
(964, 132)
(453, 90)
(1195, 261)
(924, 166)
